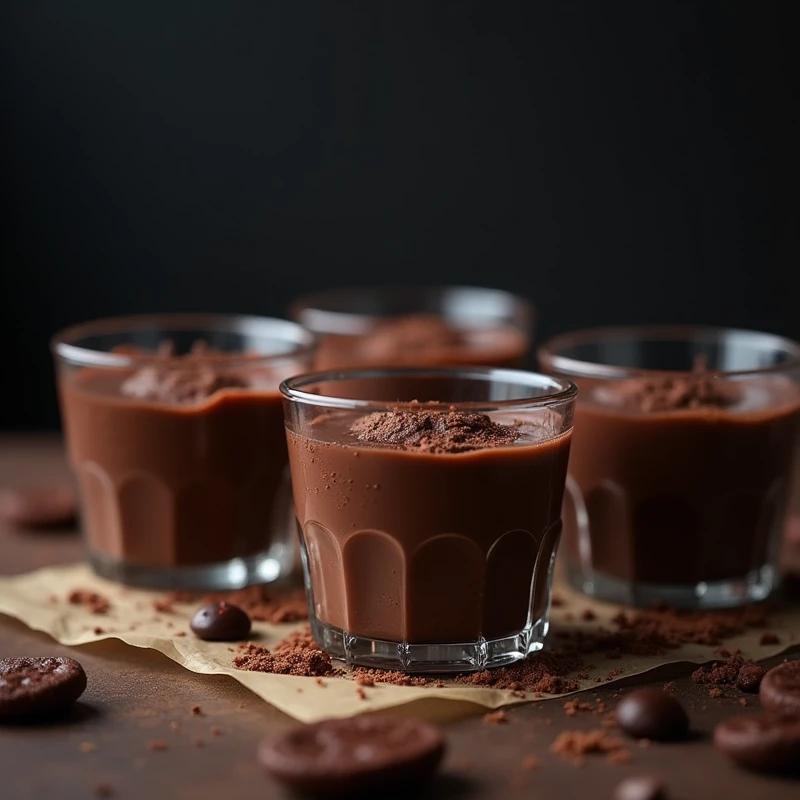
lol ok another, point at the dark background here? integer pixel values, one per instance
(613, 161)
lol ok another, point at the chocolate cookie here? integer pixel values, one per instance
(39, 686)
(221, 622)
(780, 689)
(347, 756)
(652, 714)
(38, 507)
(762, 741)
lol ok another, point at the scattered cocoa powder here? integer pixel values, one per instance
(768, 638)
(98, 631)
(715, 691)
(495, 717)
(321, 683)
(198, 743)
(93, 602)
(156, 745)
(547, 672)
(670, 687)
(88, 747)
(215, 731)
(196, 711)
(573, 746)
(587, 615)
(369, 677)
(721, 673)
(287, 659)
(360, 693)
(103, 789)
(531, 762)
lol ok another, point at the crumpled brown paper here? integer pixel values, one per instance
(39, 599)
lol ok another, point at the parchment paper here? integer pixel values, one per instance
(39, 599)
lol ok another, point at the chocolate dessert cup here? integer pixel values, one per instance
(174, 428)
(426, 326)
(430, 515)
(682, 458)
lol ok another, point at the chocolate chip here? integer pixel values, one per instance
(652, 714)
(764, 742)
(780, 688)
(38, 506)
(39, 686)
(221, 622)
(749, 678)
(344, 757)
(641, 787)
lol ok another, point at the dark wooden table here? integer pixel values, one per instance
(138, 695)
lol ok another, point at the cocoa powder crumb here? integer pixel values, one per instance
(768, 638)
(292, 656)
(364, 680)
(670, 687)
(743, 702)
(360, 693)
(98, 631)
(547, 672)
(196, 711)
(198, 743)
(715, 691)
(156, 745)
(587, 615)
(531, 762)
(93, 602)
(321, 683)
(429, 431)
(88, 747)
(215, 731)
(103, 789)
(720, 673)
(495, 717)
(572, 746)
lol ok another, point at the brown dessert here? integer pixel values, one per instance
(682, 479)
(181, 462)
(424, 340)
(429, 526)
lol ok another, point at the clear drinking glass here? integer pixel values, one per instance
(417, 326)
(418, 559)
(174, 428)
(682, 458)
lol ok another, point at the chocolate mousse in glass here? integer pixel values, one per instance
(682, 459)
(174, 428)
(431, 513)
(417, 326)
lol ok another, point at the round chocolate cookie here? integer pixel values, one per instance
(343, 757)
(38, 506)
(39, 686)
(780, 689)
(221, 622)
(768, 742)
(652, 714)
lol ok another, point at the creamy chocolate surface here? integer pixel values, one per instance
(429, 526)
(179, 462)
(684, 479)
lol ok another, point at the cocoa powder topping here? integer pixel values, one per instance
(429, 431)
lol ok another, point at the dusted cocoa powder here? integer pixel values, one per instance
(304, 661)
(262, 603)
(93, 602)
(433, 431)
(573, 746)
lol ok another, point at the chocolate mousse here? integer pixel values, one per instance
(427, 525)
(181, 461)
(680, 480)
(424, 340)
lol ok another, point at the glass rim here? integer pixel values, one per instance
(63, 342)
(564, 390)
(327, 320)
(549, 355)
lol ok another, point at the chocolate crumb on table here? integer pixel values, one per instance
(196, 711)
(721, 672)
(156, 745)
(215, 731)
(495, 717)
(103, 789)
(531, 762)
(88, 747)
(93, 602)
(573, 746)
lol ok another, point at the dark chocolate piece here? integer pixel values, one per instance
(347, 756)
(221, 622)
(641, 787)
(38, 506)
(39, 686)
(750, 677)
(652, 714)
(767, 742)
(780, 689)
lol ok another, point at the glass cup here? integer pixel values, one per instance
(417, 326)
(174, 428)
(418, 558)
(682, 461)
